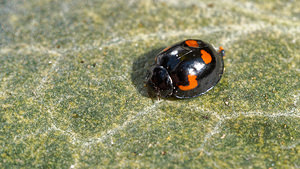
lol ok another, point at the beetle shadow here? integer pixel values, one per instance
(140, 68)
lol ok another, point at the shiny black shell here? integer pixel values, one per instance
(194, 67)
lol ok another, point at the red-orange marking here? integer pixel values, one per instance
(192, 43)
(192, 83)
(206, 57)
(221, 48)
(167, 48)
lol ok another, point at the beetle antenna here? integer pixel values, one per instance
(158, 95)
(158, 98)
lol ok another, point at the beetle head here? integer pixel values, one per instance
(159, 82)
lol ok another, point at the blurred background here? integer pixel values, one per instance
(72, 85)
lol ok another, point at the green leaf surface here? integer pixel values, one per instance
(72, 89)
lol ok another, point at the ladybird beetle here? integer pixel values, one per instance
(185, 70)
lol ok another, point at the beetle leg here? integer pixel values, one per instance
(222, 51)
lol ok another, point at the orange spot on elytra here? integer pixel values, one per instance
(192, 83)
(167, 48)
(192, 43)
(206, 57)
